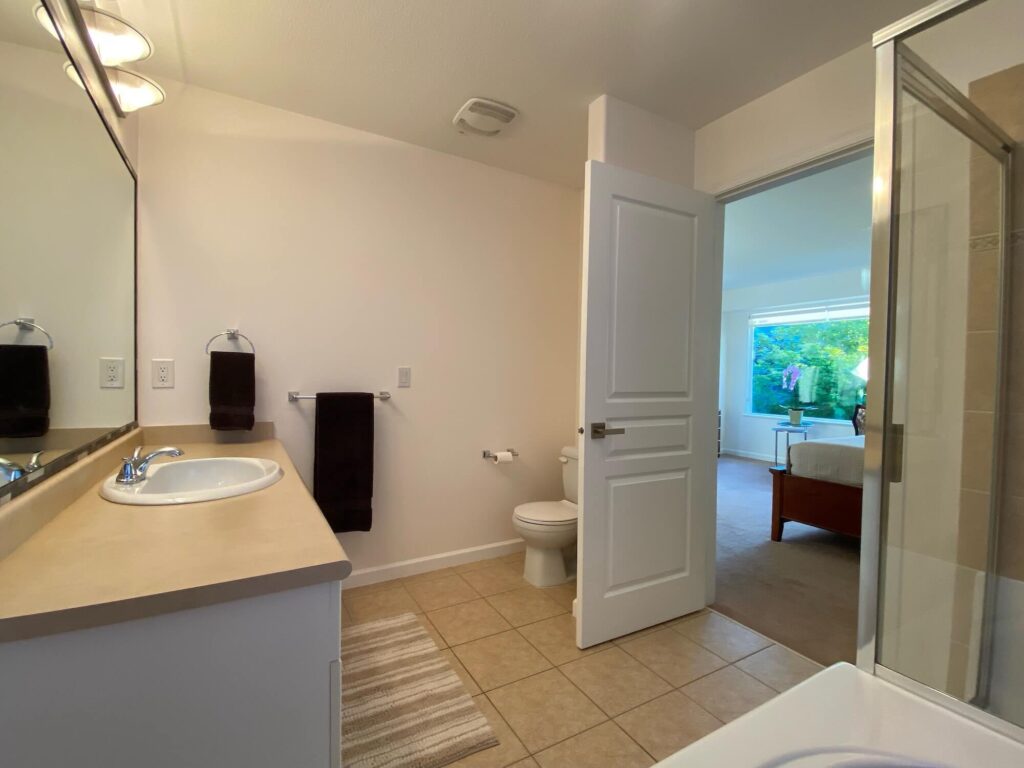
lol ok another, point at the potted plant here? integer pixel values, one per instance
(790, 376)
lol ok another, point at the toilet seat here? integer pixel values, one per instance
(547, 512)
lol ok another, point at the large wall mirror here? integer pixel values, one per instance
(67, 261)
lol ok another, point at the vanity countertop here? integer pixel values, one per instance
(98, 562)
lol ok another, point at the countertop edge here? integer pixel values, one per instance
(104, 614)
(328, 565)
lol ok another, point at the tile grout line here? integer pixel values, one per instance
(678, 690)
(662, 677)
(674, 688)
(607, 717)
(532, 674)
(576, 687)
(591, 728)
(507, 725)
(425, 611)
(770, 640)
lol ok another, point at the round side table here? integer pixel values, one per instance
(788, 429)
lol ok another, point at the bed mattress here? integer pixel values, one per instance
(833, 459)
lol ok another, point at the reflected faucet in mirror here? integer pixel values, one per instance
(12, 470)
(133, 470)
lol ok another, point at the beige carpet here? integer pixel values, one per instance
(404, 706)
(802, 591)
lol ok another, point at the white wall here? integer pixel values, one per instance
(832, 107)
(630, 137)
(745, 434)
(344, 255)
(66, 203)
(823, 111)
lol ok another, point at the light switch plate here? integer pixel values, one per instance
(163, 373)
(404, 377)
(111, 373)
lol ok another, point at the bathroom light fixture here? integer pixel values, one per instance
(133, 91)
(115, 40)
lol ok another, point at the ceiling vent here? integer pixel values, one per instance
(484, 117)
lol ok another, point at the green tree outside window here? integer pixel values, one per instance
(826, 353)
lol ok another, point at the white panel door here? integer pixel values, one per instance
(652, 296)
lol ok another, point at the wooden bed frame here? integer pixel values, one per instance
(831, 506)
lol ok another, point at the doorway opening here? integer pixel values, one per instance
(793, 377)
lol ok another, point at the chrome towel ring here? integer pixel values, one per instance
(234, 335)
(28, 324)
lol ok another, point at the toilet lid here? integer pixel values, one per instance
(547, 512)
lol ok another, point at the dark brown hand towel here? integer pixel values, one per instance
(24, 390)
(232, 390)
(343, 459)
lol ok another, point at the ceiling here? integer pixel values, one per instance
(401, 68)
(819, 224)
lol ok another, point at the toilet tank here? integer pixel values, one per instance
(570, 466)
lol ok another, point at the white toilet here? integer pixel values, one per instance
(548, 527)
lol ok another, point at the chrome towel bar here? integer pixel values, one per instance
(294, 396)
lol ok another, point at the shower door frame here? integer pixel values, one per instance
(890, 53)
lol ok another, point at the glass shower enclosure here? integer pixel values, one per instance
(942, 585)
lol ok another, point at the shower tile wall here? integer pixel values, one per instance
(1001, 97)
(982, 360)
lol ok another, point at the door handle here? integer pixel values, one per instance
(894, 450)
(598, 431)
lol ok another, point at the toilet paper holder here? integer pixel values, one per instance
(490, 454)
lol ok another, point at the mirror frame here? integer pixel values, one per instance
(74, 39)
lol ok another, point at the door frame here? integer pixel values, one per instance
(831, 159)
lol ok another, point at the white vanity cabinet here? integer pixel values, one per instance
(250, 683)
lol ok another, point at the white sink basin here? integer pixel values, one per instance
(191, 480)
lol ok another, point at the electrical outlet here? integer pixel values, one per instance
(163, 373)
(404, 377)
(111, 373)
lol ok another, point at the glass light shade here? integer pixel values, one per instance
(43, 17)
(133, 91)
(115, 40)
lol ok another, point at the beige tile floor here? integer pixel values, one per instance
(630, 702)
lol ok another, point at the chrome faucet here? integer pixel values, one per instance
(133, 470)
(13, 470)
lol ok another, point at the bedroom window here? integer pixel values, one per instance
(814, 359)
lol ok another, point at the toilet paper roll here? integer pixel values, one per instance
(503, 457)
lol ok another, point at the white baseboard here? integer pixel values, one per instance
(364, 576)
(748, 455)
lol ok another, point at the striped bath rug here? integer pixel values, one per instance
(403, 706)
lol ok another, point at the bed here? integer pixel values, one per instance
(821, 484)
